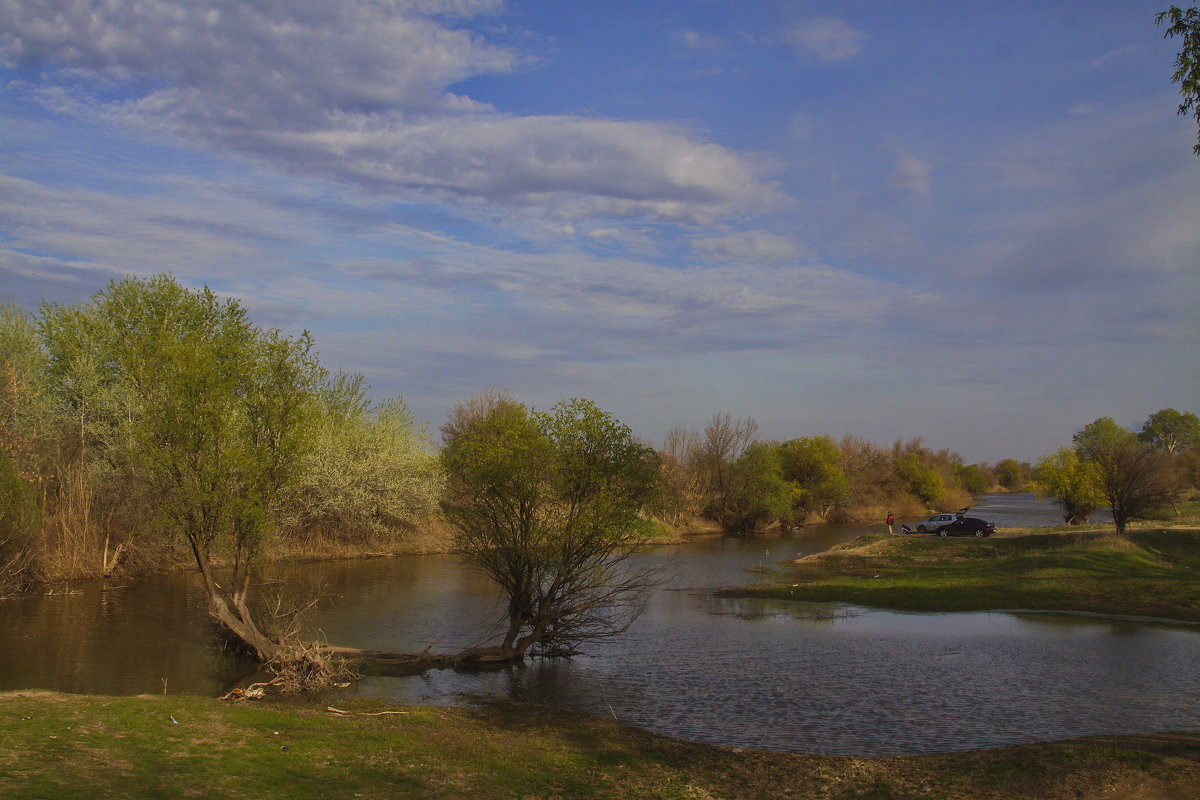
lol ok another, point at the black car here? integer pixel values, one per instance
(968, 526)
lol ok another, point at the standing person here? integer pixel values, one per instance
(891, 520)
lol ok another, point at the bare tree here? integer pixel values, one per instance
(682, 477)
(725, 440)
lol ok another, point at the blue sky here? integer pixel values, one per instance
(974, 222)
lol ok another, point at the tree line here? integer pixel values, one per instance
(726, 474)
(1133, 474)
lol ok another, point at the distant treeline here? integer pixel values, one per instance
(725, 474)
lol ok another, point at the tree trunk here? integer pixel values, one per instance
(231, 613)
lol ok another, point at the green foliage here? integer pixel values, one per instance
(1012, 474)
(370, 471)
(920, 480)
(758, 494)
(1135, 480)
(548, 505)
(1170, 430)
(1185, 24)
(971, 478)
(1099, 437)
(1072, 484)
(18, 520)
(813, 467)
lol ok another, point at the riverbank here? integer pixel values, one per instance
(79, 746)
(1149, 573)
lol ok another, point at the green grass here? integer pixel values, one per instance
(60, 747)
(1153, 573)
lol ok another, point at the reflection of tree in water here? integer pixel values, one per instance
(757, 608)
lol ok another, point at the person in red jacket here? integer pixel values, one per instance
(891, 520)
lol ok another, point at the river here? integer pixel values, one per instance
(750, 673)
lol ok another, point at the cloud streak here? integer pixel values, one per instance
(359, 92)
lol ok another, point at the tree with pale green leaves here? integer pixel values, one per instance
(1134, 479)
(217, 416)
(1071, 484)
(1171, 431)
(920, 479)
(549, 506)
(813, 467)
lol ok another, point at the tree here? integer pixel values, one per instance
(1011, 474)
(681, 492)
(1073, 485)
(724, 440)
(1133, 478)
(757, 494)
(1185, 24)
(548, 506)
(1169, 430)
(921, 480)
(370, 471)
(971, 477)
(220, 417)
(813, 466)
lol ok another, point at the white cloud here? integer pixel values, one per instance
(911, 174)
(749, 247)
(358, 91)
(824, 39)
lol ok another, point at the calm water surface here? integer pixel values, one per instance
(781, 676)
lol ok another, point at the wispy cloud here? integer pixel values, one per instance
(753, 247)
(824, 40)
(911, 174)
(359, 92)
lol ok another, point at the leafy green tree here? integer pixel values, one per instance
(1170, 430)
(1134, 479)
(220, 416)
(548, 506)
(1073, 485)
(1011, 474)
(1185, 24)
(758, 494)
(971, 478)
(920, 480)
(813, 467)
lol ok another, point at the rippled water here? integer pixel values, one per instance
(782, 676)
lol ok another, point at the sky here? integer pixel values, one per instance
(973, 222)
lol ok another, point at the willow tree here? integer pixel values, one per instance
(219, 416)
(548, 506)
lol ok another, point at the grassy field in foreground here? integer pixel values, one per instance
(1154, 573)
(68, 746)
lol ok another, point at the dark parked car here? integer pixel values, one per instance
(968, 526)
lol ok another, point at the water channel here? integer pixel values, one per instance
(749, 673)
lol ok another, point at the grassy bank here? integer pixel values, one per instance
(1150, 573)
(66, 746)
